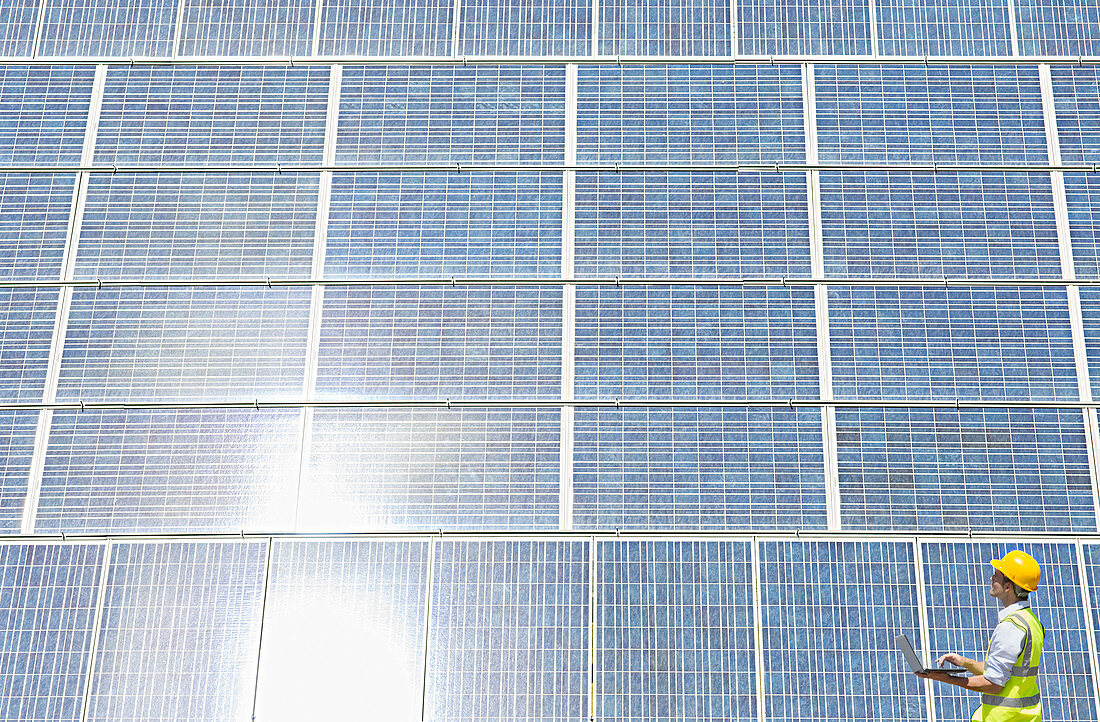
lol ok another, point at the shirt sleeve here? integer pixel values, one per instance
(1004, 648)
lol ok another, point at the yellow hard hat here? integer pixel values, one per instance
(1019, 568)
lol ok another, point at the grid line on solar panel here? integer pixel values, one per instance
(18, 23)
(927, 343)
(665, 27)
(805, 27)
(34, 224)
(525, 27)
(1090, 314)
(386, 27)
(440, 342)
(169, 470)
(962, 616)
(247, 27)
(185, 344)
(432, 225)
(674, 631)
(698, 469)
(212, 115)
(17, 432)
(179, 633)
(899, 224)
(692, 224)
(695, 342)
(26, 331)
(944, 27)
(441, 114)
(1083, 210)
(990, 114)
(830, 611)
(942, 469)
(197, 225)
(429, 469)
(1058, 27)
(508, 631)
(690, 114)
(107, 28)
(1077, 110)
(45, 111)
(48, 596)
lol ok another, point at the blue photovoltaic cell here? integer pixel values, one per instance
(247, 27)
(692, 225)
(804, 27)
(900, 224)
(185, 344)
(386, 27)
(916, 114)
(674, 631)
(47, 611)
(525, 27)
(212, 115)
(26, 328)
(665, 27)
(441, 225)
(703, 468)
(944, 27)
(1058, 27)
(213, 470)
(180, 632)
(17, 429)
(962, 616)
(924, 343)
(344, 628)
(34, 224)
(43, 113)
(449, 114)
(943, 469)
(696, 342)
(830, 611)
(508, 634)
(1091, 568)
(429, 469)
(1077, 110)
(690, 114)
(18, 22)
(1090, 313)
(438, 342)
(197, 225)
(108, 28)
(1083, 205)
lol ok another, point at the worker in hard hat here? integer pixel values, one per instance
(1008, 679)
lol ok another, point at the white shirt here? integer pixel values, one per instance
(1005, 645)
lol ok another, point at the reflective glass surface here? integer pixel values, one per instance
(34, 224)
(247, 27)
(1083, 210)
(18, 20)
(17, 430)
(107, 28)
(386, 27)
(664, 27)
(43, 114)
(525, 27)
(804, 27)
(1077, 111)
(1058, 27)
(944, 27)
(27, 318)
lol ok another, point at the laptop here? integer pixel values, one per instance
(915, 662)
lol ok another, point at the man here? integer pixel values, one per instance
(1008, 680)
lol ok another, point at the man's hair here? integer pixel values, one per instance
(1021, 593)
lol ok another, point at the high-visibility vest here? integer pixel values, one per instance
(1019, 700)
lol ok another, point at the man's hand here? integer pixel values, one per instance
(956, 659)
(941, 675)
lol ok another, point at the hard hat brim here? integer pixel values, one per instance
(996, 564)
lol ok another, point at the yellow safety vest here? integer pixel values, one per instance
(1019, 700)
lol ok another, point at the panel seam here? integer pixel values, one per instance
(427, 638)
(569, 305)
(872, 21)
(97, 624)
(1090, 631)
(39, 26)
(178, 33)
(925, 637)
(758, 629)
(263, 620)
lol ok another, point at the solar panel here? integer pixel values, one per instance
(508, 631)
(1058, 27)
(1090, 567)
(525, 27)
(17, 430)
(692, 224)
(18, 22)
(197, 225)
(440, 342)
(34, 224)
(180, 632)
(1077, 111)
(45, 111)
(344, 628)
(212, 115)
(429, 469)
(26, 329)
(830, 611)
(924, 343)
(918, 114)
(674, 634)
(695, 342)
(47, 611)
(943, 469)
(665, 27)
(247, 27)
(432, 225)
(1090, 313)
(216, 470)
(105, 28)
(962, 615)
(185, 344)
(944, 27)
(806, 27)
(684, 468)
(900, 224)
(449, 114)
(386, 27)
(690, 114)
(1083, 205)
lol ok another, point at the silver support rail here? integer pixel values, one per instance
(428, 597)
(758, 630)
(569, 304)
(263, 620)
(97, 625)
(1090, 627)
(922, 609)
(592, 625)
